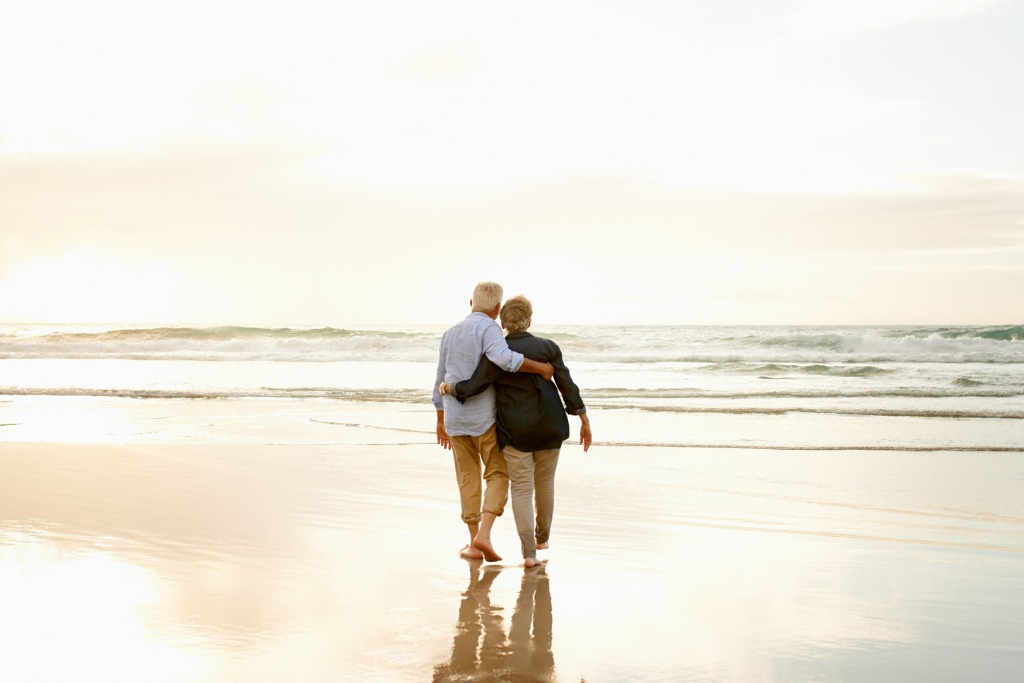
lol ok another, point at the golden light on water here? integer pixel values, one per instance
(84, 615)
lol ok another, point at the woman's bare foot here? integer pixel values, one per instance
(468, 553)
(484, 546)
(529, 562)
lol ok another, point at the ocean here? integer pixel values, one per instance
(788, 388)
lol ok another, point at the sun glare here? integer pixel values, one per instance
(83, 615)
(83, 286)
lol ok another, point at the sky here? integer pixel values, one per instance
(319, 163)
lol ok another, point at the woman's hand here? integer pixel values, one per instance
(585, 436)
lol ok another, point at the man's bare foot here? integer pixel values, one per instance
(543, 546)
(529, 562)
(468, 553)
(484, 546)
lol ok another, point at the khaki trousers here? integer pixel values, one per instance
(532, 473)
(476, 458)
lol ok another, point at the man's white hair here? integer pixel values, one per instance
(487, 296)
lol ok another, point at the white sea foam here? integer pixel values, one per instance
(807, 346)
(223, 344)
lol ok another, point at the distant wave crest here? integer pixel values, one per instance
(843, 352)
(226, 343)
(811, 369)
(1001, 333)
(857, 345)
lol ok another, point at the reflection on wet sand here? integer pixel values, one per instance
(208, 564)
(481, 650)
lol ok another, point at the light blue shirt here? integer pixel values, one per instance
(462, 347)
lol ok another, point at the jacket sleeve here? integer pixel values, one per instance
(496, 348)
(484, 374)
(563, 380)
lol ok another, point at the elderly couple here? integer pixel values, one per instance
(502, 418)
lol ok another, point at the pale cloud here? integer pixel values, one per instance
(463, 97)
(822, 20)
(250, 238)
(936, 213)
(439, 62)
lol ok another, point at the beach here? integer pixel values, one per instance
(760, 504)
(322, 563)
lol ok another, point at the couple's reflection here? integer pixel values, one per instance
(481, 650)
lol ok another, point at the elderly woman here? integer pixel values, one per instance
(531, 422)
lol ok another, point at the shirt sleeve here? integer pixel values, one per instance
(497, 350)
(435, 396)
(484, 375)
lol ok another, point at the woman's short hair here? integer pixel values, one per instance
(486, 295)
(516, 314)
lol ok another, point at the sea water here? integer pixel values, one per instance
(821, 388)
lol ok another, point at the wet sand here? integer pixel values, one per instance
(221, 563)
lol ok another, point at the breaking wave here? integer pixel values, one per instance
(227, 343)
(812, 369)
(839, 351)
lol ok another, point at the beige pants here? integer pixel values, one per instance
(532, 473)
(476, 458)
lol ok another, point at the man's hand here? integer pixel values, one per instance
(545, 370)
(443, 388)
(442, 433)
(585, 435)
(548, 371)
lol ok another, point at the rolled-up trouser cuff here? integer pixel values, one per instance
(478, 458)
(495, 510)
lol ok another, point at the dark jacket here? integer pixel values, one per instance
(530, 413)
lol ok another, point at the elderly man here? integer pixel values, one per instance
(468, 428)
(532, 423)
